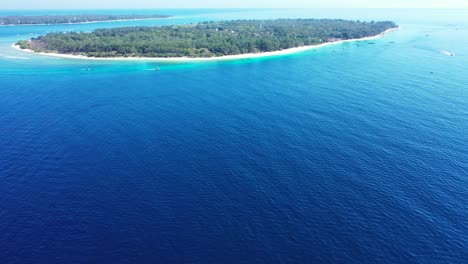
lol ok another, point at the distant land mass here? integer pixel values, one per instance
(205, 40)
(70, 19)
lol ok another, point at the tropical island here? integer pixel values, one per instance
(70, 19)
(205, 40)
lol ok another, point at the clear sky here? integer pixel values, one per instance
(135, 4)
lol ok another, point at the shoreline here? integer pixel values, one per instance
(90, 22)
(219, 58)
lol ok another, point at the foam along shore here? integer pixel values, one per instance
(220, 58)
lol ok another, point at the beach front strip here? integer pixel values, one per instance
(71, 19)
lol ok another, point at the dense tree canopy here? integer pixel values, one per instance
(207, 39)
(64, 19)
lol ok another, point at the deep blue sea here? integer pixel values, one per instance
(353, 153)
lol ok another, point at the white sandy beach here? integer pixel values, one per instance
(221, 58)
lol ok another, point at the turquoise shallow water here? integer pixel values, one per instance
(350, 153)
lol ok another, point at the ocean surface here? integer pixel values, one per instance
(353, 153)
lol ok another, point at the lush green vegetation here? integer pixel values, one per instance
(206, 39)
(64, 19)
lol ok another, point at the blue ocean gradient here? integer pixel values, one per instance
(353, 153)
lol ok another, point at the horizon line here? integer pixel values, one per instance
(240, 8)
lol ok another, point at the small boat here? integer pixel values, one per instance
(448, 53)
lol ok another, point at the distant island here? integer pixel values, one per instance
(205, 40)
(70, 19)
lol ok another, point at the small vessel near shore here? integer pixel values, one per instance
(448, 53)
